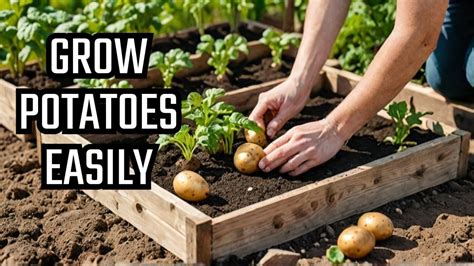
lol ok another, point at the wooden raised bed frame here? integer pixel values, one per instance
(195, 237)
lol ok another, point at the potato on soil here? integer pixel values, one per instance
(258, 138)
(247, 156)
(356, 242)
(378, 224)
(190, 186)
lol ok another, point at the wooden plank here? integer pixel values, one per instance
(455, 114)
(8, 109)
(266, 223)
(157, 212)
(463, 166)
(198, 242)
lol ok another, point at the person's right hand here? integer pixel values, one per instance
(284, 101)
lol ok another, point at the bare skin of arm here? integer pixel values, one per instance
(413, 38)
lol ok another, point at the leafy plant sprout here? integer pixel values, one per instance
(235, 10)
(335, 255)
(183, 139)
(404, 120)
(197, 9)
(222, 51)
(170, 63)
(279, 42)
(24, 32)
(103, 83)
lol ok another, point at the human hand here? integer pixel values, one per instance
(285, 101)
(302, 148)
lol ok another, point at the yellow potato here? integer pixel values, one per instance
(356, 242)
(378, 224)
(247, 156)
(190, 186)
(257, 138)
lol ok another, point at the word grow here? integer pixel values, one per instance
(96, 111)
(102, 55)
(104, 166)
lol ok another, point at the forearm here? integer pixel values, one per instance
(324, 18)
(411, 42)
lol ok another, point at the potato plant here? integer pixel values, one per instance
(119, 16)
(170, 63)
(24, 31)
(102, 83)
(335, 255)
(235, 10)
(404, 120)
(197, 9)
(279, 42)
(222, 51)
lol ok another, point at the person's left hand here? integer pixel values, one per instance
(302, 148)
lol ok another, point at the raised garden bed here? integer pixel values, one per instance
(322, 197)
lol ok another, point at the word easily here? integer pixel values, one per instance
(102, 55)
(94, 111)
(94, 166)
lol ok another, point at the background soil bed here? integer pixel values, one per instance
(243, 75)
(34, 78)
(232, 190)
(189, 39)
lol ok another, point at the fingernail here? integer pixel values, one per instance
(271, 132)
(261, 165)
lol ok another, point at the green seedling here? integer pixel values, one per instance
(404, 120)
(184, 140)
(197, 9)
(205, 110)
(103, 83)
(222, 51)
(229, 126)
(235, 10)
(335, 255)
(170, 63)
(24, 32)
(279, 42)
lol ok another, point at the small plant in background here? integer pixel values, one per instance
(335, 255)
(222, 51)
(170, 63)
(279, 42)
(404, 120)
(183, 139)
(102, 83)
(235, 10)
(197, 8)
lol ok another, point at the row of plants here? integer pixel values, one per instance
(221, 52)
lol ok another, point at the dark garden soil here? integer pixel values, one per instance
(231, 190)
(44, 226)
(243, 75)
(189, 39)
(34, 78)
(47, 226)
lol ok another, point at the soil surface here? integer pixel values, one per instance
(34, 78)
(243, 75)
(188, 40)
(47, 226)
(44, 226)
(231, 190)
